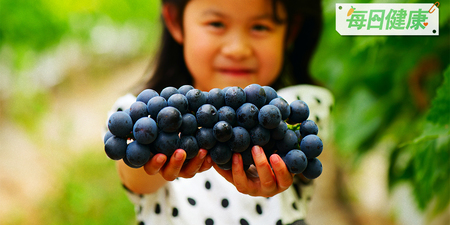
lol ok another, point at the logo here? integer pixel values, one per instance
(387, 19)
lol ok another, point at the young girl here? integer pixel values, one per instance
(215, 44)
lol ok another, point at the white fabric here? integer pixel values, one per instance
(189, 201)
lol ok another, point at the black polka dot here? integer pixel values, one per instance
(279, 222)
(298, 97)
(298, 191)
(294, 205)
(258, 209)
(157, 208)
(141, 223)
(209, 221)
(208, 185)
(244, 222)
(174, 212)
(167, 192)
(318, 100)
(317, 119)
(119, 109)
(225, 202)
(140, 209)
(308, 198)
(191, 201)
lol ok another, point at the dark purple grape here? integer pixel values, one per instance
(108, 134)
(283, 106)
(138, 110)
(240, 139)
(220, 153)
(115, 147)
(226, 166)
(278, 132)
(308, 127)
(228, 114)
(295, 161)
(138, 154)
(190, 145)
(185, 88)
(216, 97)
(155, 105)
(146, 95)
(196, 98)
(288, 143)
(270, 94)
(222, 131)
(269, 116)
(145, 130)
(180, 102)
(169, 119)
(207, 116)
(259, 135)
(255, 94)
(247, 157)
(167, 143)
(125, 160)
(299, 112)
(120, 124)
(247, 116)
(313, 169)
(168, 91)
(311, 145)
(189, 124)
(235, 97)
(205, 138)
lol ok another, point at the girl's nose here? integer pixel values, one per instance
(237, 48)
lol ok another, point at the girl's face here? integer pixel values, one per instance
(233, 42)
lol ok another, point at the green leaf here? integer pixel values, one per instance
(440, 109)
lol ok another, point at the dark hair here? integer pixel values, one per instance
(170, 68)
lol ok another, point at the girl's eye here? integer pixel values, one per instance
(260, 27)
(217, 24)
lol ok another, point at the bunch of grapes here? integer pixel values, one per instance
(222, 121)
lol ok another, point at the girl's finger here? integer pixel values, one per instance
(240, 179)
(224, 173)
(194, 165)
(284, 178)
(154, 165)
(266, 176)
(173, 168)
(207, 164)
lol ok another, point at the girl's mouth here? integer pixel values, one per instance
(236, 71)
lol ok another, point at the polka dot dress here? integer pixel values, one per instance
(209, 199)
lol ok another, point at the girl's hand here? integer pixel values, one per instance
(177, 167)
(268, 180)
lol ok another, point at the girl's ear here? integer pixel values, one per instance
(294, 29)
(170, 16)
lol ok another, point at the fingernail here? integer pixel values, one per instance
(208, 160)
(178, 155)
(160, 159)
(202, 154)
(236, 158)
(257, 150)
(275, 159)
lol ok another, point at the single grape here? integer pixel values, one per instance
(278, 132)
(255, 94)
(283, 106)
(220, 153)
(235, 97)
(169, 119)
(226, 166)
(228, 114)
(168, 91)
(108, 134)
(299, 112)
(146, 95)
(247, 116)
(216, 97)
(314, 169)
(288, 143)
(189, 124)
(240, 139)
(138, 110)
(270, 94)
(125, 160)
(185, 88)
(180, 102)
(145, 130)
(138, 154)
(120, 124)
(205, 138)
(207, 116)
(247, 157)
(167, 143)
(190, 145)
(269, 116)
(259, 135)
(222, 131)
(115, 147)
(308, 127)
(311, 145)
(295, 161)
(155, 105)
(196, 98)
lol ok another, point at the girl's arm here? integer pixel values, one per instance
(156, 173)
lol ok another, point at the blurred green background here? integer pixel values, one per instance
(64, 63)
